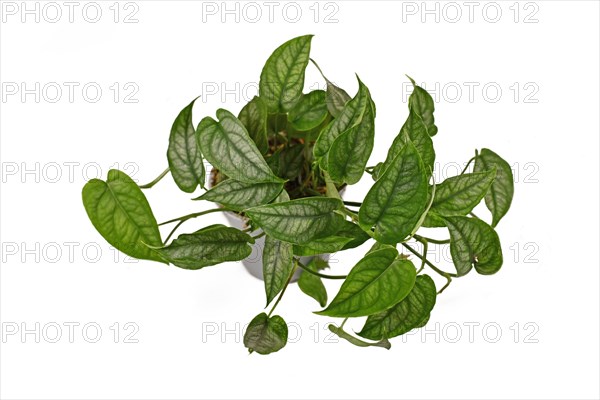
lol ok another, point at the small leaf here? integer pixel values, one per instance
(336, 99)
(473, 243)
(227, 146)
(350, 151)
(422, 103)
(459, 195)
(312, 285)
(282, 77)
(254, 117)
(266, 335)
(185, 159)
(277, 266)
(501, 193)
(414, 130)
(299, 221)
(208, 246)
(356, 341)
(240, 196)
(309, 112)
(375, 284)
(121, 214)
(404, 316)
(396, 202)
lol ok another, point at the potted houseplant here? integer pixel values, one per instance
(279, 166)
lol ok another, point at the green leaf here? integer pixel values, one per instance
(208, 246)
(404, 316)
(473, 243)
(459, 195)
(266, 335)
(312, 285)
(228, 147)
(121, 214)
(413, 130)
(336, 99)
(282, 78)
(254, 117)
(422, 103)
(501, 193)
(277, 266)
(350, 151)
(299, 221)
(326, 245)
(396, 202)
(309, 112)
(375, 284)
(240, 196)
(350, 116)
(378, 246)
(356, 341)
(348, 236)
(185, 159)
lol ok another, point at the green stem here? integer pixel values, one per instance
(173, 230)
(445, 274)
(259, 235)
(467, 166)
(434, 241)
(425, 246)
(155, 181)
(194, 215)
(287, 283)
(353, 203)
(305, 268)
(473, 215)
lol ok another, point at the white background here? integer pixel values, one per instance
(549, 130)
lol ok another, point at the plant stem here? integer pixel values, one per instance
(259, 235)
(353, 203)
(287, 283)
(194, 215)
(446, 275)
(434, 241)
(467, 166)
(473, 215)
(305, 268)
(425, 245)
(173, 230)
(155, 181)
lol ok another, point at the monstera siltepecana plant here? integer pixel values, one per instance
(280, 165)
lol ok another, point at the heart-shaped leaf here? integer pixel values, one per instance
(458, 195)
(404, 316)
(185, 159)
(299, 221)
(282, 77)
(227, 146)
(240, 196)
(121, 214)
(501, 192)
(208, 246)
(396, 202)
(473, 243)
(376, 283)
(266, 335)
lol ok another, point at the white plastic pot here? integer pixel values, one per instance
(254, 262)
